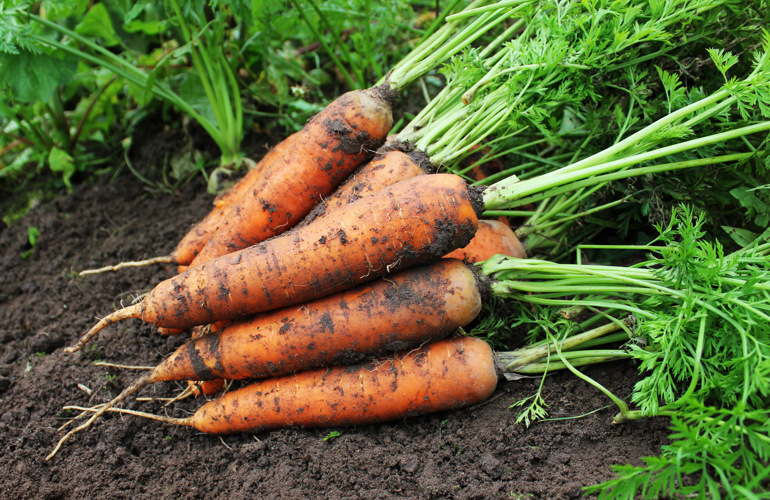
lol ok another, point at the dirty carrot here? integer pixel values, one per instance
(332, 147)
(407, 224)
(492, 238)
(445, 375)
(291, 178)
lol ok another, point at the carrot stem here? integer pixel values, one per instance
(163, 259)
(133, 311)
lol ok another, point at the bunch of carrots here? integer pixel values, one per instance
(336, 276)
(280, 320)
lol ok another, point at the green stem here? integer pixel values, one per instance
(218, 83)
(512, 191)
(576, 359)
(516, 359)
(586, 179)
(442, 46)
(341, 67)
(619, 402)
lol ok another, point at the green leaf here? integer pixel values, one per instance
(742, 237)
(61, 162)
(723, 60)
(62, 9)
(33, 234)
(147, 27)
(33, 77)
(97, 23)
(753, 203)
(134, 11)
(332, 435)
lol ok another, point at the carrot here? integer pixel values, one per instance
(445, 375)
(407, 224)
(383, 316)
(493, 237)
(331, 148)
(206, 387)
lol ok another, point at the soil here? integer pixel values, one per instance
(477, 452)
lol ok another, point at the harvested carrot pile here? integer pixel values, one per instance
(340, 279)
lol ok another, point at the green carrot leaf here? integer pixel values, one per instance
(722, 60)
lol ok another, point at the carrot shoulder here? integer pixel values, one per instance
(324, 154)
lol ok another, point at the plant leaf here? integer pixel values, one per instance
(97, 23)
(61, 162)
(32, 77)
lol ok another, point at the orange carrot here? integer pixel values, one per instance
(407, 224)
(445, 375)
(332, 147)
(493, 237)
(195, 239)
(206, 387)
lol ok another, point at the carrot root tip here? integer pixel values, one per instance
(164, 259)
(125, 313)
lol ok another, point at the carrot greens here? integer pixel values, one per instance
(695, 318)
(691, 313)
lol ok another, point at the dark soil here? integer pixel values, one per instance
(472, 453)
